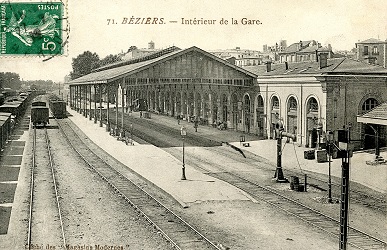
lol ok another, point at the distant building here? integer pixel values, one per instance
(346, 53)
(278, 47)
(304, 51)
(243, 57)
(270, 53)
(373, 51)
(67, 78)
(134, 52)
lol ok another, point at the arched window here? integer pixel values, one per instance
(292, 104)
(274, 103)
(312, 105)
(369, 104)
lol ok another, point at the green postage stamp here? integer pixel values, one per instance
(33, 28)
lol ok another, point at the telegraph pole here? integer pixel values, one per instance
(344, 201)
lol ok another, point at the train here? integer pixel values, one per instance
(16, 106)
(41, 107)
(57, 106)
(12, 109)
(6, 127)
(40, 111)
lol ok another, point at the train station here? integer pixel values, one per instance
(310, 98)
(251, 125)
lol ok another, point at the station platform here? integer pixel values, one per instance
(372, 176)
(159, 167)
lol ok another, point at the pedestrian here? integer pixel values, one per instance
(196, 125)
(140, 114)
(178, 119)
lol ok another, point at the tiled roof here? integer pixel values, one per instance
(377, 115)
(379, 112)
(295, 47)
(335, 65)
(373, 40)
(109, 74)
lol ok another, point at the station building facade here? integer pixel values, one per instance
(309, 98)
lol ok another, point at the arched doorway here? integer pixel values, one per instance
(311, 122)
(167, 102)
(260, 113)
(225, 105)
(184, 106)
(275, 115)
(161, 103)
(246, 111)
(178, 104)
(235, 111)
(172, 104)
(206, 109)
(214, 111)
(199, 107)
(191, 105)
(292, 108)
(368, 129)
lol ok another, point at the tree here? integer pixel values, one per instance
(10, 80)
(109, 59)
(83, 64)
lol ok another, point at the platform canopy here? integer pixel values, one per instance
(119, 70)
(378, 115)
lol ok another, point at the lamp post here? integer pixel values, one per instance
(329, 140)
(183, 132)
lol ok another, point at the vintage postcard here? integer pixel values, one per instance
(177, 124)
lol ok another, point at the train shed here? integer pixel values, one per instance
(191, 84)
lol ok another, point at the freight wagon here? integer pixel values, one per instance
(39, 112)
(6, 126)
(57, 106)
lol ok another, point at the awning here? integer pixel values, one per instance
(377, 115)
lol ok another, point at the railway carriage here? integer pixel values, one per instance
(39, 111)
(57, 107)
(15, 108)
(5, 128)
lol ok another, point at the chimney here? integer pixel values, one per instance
(323, 60)
(300, 45)
(151, 45)
(286, 65)
(316, 55)
(268, 66)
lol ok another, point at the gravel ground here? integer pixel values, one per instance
(93, 213)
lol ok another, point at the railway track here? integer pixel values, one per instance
(177, 231)
(356, 238)
(44, 207)
(144, 129)
(358, 197)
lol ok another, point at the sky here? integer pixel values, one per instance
(340, 23)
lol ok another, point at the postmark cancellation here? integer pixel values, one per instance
(33, 28)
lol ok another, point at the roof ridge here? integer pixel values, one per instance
(338, 64)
